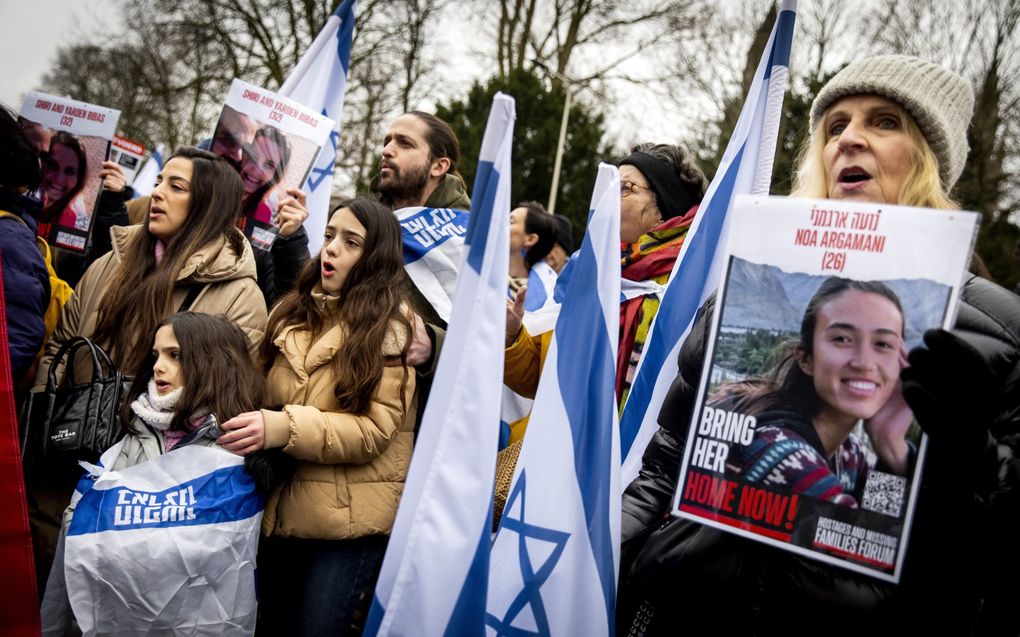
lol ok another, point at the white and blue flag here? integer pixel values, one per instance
(145, 180)
(193, 517)
(319, 81)
(434, 575)
(541, 283)
(746, 168)
(433, 248)
(555, 558)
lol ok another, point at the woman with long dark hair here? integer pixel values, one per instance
(341, 400)
(187, 250)
(844, 368)
(187, 255)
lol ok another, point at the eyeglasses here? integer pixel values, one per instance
(628, 187)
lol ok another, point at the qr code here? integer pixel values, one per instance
(70, 240)
(883, 493)
(263, 238)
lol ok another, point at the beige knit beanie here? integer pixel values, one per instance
(940, 101)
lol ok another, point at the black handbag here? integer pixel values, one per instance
(76, 420)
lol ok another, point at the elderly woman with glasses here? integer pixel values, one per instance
(660, 190)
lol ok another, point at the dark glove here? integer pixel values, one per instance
(954, 394)
(270, 468)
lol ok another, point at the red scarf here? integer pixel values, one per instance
(19, 605)
(650, 257)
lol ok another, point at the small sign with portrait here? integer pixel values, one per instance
(73, 140)
(273, 143)
(129, 155)
(801, 437)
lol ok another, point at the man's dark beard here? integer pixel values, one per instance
(404, 187)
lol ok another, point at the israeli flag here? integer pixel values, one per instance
(433, 251)
(555, 558)
(541, 283)
(433, 578)
(191, 515)
(319, 81)
(145, 180)
(746, 168)
(433, 242)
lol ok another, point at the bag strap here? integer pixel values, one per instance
(68, 350)
(4, 214)
(40, 243)
(193, 292)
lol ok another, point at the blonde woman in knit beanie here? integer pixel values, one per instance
(889, 129)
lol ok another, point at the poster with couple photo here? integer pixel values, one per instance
(273, 142)
(801, 437)
(73, 140)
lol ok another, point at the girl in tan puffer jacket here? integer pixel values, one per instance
(342, 405)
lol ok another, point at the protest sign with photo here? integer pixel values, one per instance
(129, 155)
(73, 140)
(273, 142)
(800, 437)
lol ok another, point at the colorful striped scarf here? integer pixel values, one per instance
(650, 258)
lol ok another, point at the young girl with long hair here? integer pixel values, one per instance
(341, 403)
(198, 365)
(196, 372)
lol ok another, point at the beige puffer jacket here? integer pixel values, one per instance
(228, 286)
(352, 468)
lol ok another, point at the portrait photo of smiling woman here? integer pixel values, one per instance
(831, 410)
(263, 164)
(64, 166)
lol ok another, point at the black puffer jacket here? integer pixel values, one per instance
(962, 563)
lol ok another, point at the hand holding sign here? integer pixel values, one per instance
(113, 177)
(888, 427)
(291, 212)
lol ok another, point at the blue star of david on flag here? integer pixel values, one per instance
(533, 579)
(319, 81)
(327, 158)
(566, 544)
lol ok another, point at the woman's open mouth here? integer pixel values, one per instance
(853, 177)
(328, 269)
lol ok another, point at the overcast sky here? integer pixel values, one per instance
(28, 49)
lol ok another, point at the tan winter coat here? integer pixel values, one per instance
(228, 288)
(352, 468)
